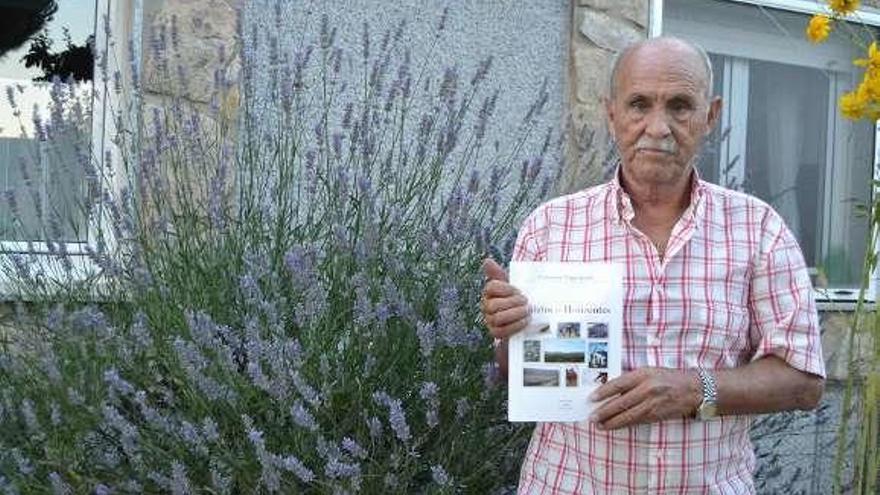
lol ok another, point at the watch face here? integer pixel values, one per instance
(708, 411)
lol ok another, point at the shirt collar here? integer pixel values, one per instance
(624, 211)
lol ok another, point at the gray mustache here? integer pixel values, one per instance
(665, 146)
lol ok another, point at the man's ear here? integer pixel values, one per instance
(714, 114)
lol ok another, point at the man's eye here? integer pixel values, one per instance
(680, 106)
(638, 104)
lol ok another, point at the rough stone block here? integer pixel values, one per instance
(203, 28)
(635, 11)
(608, 31)
(835, 346)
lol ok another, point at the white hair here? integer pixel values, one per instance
(619, 56)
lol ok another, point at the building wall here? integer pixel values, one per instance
(568, 42)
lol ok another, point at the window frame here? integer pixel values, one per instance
(116, 51)
(828, 299)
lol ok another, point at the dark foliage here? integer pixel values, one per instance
(20, 20)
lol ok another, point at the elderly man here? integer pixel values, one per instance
(719, 317)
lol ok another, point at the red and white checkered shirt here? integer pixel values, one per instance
(731, 288)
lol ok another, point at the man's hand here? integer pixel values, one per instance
(505, 309)
(647, 395)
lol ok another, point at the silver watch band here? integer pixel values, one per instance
(709, 406)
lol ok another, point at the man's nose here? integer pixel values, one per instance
(658, 125)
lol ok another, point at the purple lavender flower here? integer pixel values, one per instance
(336, 469)
(210, 430)
(396, 415)
(307, 391)
(25, 467)
(193, 363)
(353, 448)
(128, 435)
(75, 397)
(375, 427)
(487, 109)
(140, 333)
(180, 484)
(449, 85)
(12, 202)
(363, 306)
(336, 144)
(154, 418)
(59, 486)
(293, 465)
(327, 449)
(191, 436)
(462, 408)
(535, 168)
(429, 394)
(10, 97)
(49, 362)
(302, 417)
(221, 480)
(270, 477)
(383, 314)
(427, 338)
(302, 266)
(440, 476)
(55, 414)
(30, 417)
(449, 318)
(116, 384)
(482, 70)
(443, 17)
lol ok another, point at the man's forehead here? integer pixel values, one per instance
(652, 68)
(662, 60)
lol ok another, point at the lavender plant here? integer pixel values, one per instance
(287, 302)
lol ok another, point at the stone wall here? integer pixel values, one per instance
(190, 54)
(198, 36)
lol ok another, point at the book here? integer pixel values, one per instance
(572, 344)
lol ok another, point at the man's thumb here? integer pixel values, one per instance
(493, 270)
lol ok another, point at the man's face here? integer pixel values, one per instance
(659, 113)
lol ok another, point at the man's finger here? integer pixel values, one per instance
(493, 270)
(618, 405)
(496, 304)
(620, 385)
(505, 331)
(498, 288)
(508, 316)
(640, 413)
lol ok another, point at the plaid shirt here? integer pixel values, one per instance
(731, 288)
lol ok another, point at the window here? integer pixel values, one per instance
(781, 137)
(46, 178)
(46, 39)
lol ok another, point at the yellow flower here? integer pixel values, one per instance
(843, 7)
(818, 28)
(854, 104)
(870, 84)
(873, 60)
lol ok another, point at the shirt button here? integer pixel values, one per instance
(653, 341)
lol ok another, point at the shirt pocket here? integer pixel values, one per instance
(716, 335)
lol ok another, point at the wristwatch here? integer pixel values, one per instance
(709, 406)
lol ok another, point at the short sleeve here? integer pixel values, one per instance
(529, 245)
(785, 322)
